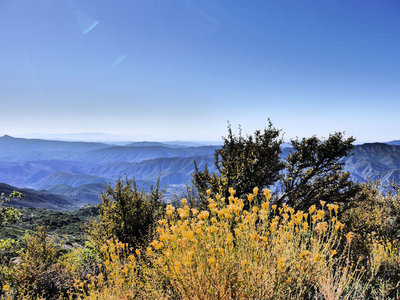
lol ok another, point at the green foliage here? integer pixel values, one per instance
(80, 262)
(35, 270)
(375, 215)
(67, 225)
(126, 213)
(9, 215)
(243, 163)
(314, 172)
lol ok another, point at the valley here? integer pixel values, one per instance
(66, 175)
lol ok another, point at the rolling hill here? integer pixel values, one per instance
(40, 199)
(137, 154)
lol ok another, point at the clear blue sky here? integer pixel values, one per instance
(180, 69)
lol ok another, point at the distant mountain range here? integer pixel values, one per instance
(375, 161)
(74, 173)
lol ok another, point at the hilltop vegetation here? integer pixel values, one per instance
(38, 199)
(68, 226)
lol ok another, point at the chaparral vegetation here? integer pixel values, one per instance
(263, 227)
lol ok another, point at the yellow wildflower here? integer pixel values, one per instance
(170, 210)
(280, 264)
(265, 205)
(211, 261)
(267, 194)
(203, 215)
(349, 236)
(304, 253)
(317, 257)
(250, 197)
(322, 226)
(305, 225)
(255, 191)
(339, 226)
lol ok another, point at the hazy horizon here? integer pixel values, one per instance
(114, 138)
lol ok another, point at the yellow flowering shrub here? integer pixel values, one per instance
(226, 252)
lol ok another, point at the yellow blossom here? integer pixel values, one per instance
(250, 197)
(317, 257)
(265, 205)
(305, 225)
(320, 214)
(304, 253)
(203, 215)
(267, 194)
(321, 227)
(170, 210)
(349, 236)
(280, 264)
(339, 226)
(255, 191)
(211, 261)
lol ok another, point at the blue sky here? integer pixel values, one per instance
(180, 69)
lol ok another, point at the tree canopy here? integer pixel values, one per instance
(126, 213)
(314, 172)
(243, 163)
(311, 172)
